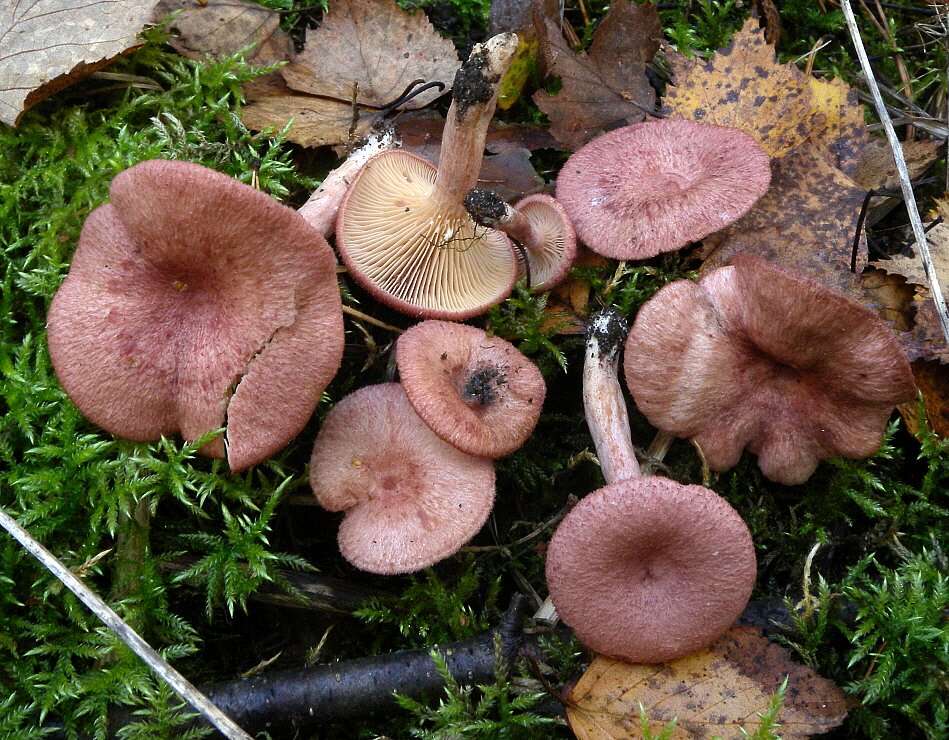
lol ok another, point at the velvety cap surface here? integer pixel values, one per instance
(549, 266)
(477, 392)
(647, 570)
(410, 498)
(654, 187)
(413, 255)
(187, 285)
(756, 357)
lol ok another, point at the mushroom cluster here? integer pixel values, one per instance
(195, 302)
(411, 464)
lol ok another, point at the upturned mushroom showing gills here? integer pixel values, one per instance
(755, 357)
(654, 187)
(410, 498)
(644, 569)
(477, 392)
(193, 299)
(402, 229)
(539, 224)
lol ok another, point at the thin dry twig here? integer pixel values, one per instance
(356, 313)
(182, 686)
(921, 245)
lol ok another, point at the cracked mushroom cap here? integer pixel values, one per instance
(193, 299)
(410, 498)
(477, 392)
(753, 356)
(647, 570)
(654, 187)
(415, 253)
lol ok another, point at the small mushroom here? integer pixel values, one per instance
(322, 206)
(753, 356)
(538, 223)
(653, 187)
(644, 569)
(477, 392)
(193, 299)
(410, 498)
(648, 570)
(402, 229)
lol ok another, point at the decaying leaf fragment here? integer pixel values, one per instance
(743, 86)
(377, 45)
(606, 87)
(805, 222)
(217, 28)
(48, 45)
(716, 692)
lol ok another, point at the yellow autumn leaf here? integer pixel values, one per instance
(719, 692)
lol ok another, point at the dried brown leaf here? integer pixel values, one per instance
(805, 222)
(716, 692)
(607, 87)
(876, 169)
(842, 129)
(218, 28)
(47, 45)
(421, 128)
(743, 86)
(316, 121)
(932, 379)
(378, 45)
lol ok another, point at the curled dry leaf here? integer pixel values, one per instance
(932, 379)
(743, 86)
(717, 692)
(48, 45)
(805, 222)
(218, 28)
(606, 87)
(376, 44)
(876, 169)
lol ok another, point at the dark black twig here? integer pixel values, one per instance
(413, 90)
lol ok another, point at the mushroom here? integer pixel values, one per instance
(478, 393)
(193, 299)
(643, 569)
(410, 498)
(322, 206)
(653, 187)
(754, 356)
(402, 229)
(538, 223)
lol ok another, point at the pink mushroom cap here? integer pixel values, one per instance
(654, 187)
(192, 299)
(477, 392)
(410, 498)
(549, 265)
(753, 356)
(647, 570)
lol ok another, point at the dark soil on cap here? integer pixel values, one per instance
(485, 206)
(482, 385)
(471, 86)
(609, 328)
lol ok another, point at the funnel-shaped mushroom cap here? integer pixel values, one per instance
(556, 242)
(414, 253)
(654, 187)
(647, 570)
(755, 356)
(186, 285)
(410, 498)
(478, 393)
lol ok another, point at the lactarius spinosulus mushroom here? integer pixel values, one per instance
(539, 224)
(193, 300)
(654, 187)
(644, 569)
(411, 499)
(322, 206)
(755, 357)
(402, 229)
(477, 392)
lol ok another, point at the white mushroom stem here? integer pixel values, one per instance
(320, 210)
(603, 402)
(474, 97)
(488, 209)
